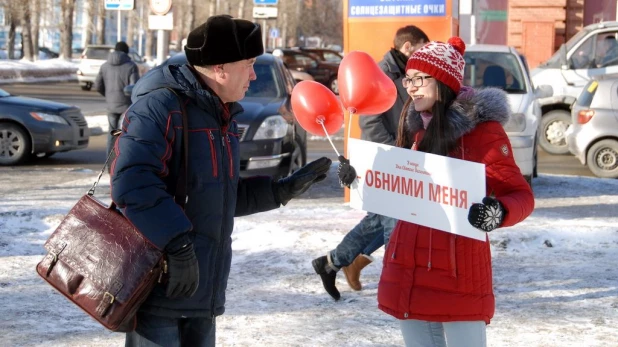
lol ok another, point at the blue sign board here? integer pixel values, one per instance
(265, 2)
(119, 4)
(396, 8)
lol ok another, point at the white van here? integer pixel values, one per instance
(503, 67)
(591, 52)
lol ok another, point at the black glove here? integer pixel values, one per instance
(297, 183)
(346, 172)
(486, 216)
(184, 272)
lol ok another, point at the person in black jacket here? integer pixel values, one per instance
(181, 311)
(116, 73)
(354, 252)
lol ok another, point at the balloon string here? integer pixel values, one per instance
(321, 122)
(350, 129)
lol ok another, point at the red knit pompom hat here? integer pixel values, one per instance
(443, 61)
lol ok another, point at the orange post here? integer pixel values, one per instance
(370, 26)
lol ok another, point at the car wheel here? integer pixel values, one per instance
(87, 86)
(15, 144)
(333, 84)
(602, 159)
(299, 156)
(553, 127)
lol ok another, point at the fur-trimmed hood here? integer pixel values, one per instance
(471, 107)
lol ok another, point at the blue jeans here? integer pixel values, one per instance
(419, 333)
(155, 331)
(363, 237)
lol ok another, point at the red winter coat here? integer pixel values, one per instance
(433, 275)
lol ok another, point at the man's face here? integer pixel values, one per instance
(234, 79)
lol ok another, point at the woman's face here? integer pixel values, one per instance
(422, 88)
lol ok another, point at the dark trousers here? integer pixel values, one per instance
(113, 119)
(155, 331)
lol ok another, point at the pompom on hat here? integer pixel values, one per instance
(443, 61)
(223, 39)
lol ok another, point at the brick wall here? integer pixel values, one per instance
(529, 28)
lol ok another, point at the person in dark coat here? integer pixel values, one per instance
(116, 73)
(197, 240)
(354, 252)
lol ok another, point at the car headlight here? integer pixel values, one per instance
(516, 123)
(46, 117)
(273, 127)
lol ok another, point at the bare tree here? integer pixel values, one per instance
(12, 19)
(131, 28)
(36, 19)
(190, 18)
(26, 32)
(89, 21)
(101, 22)
(66, 28)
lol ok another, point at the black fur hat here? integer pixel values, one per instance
(223, 39)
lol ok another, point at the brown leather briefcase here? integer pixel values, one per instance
(99, 261)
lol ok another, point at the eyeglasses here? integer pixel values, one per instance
(416, 81)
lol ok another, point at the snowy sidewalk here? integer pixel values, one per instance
(555, 274)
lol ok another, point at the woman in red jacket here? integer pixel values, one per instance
(440, 284)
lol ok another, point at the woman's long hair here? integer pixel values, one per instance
(435, 140)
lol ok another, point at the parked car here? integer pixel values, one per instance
(94, 56)
(593, 134)
(577, 61)
(323, 72)
(272, 143)
(324, 54)
(46, 53)
(502, 67)
(31, 126)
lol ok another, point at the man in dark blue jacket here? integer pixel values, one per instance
(116, 73)
(197, 240)
(354, 252)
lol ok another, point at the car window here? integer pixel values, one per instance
(332, 57)
(494, 69)
(305, 61)
(97, 53)
(606, 53)
(267, 84)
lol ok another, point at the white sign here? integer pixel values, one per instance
(156, 22)
(119, 4)
(265, 12)
(426, 189)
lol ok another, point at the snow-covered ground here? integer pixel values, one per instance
(554, 274)
(24, 71)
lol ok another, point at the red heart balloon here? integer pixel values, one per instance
(364, 88)
(313, 102)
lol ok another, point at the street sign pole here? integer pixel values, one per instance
(119, 26)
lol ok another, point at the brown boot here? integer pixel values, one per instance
(352, 271)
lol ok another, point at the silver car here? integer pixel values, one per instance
(593, 134)
(502, 67)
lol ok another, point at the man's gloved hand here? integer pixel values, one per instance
(297, 183)
(486, 216)
(346, 172)
(184, 272)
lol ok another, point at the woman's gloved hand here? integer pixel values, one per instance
(488, 215)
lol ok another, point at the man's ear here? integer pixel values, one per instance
(218, 69)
